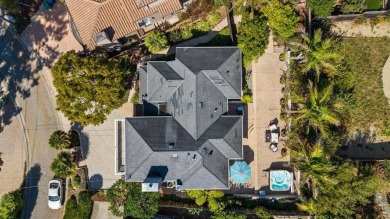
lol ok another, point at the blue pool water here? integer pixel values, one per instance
(280, 180)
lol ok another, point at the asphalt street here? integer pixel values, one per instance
(28, 86)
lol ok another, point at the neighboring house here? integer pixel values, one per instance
(192, 123)
(103, 22)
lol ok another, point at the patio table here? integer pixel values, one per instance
(274, 137)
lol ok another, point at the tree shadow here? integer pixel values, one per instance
(84, 138)
(46, 27)
(95, 182)
(30, 192)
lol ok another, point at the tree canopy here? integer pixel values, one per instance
(136, 204)
(321, 8)
(62, 165)
(80, 208)
(281, 18)
(89, 87)
(10, 6)
(252, 37)
(156, 41)
(10, 205)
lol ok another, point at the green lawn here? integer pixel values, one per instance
(222, 39)
(365, 58)
(373, 5)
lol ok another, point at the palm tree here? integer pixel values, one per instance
(314, 165)
(63, 166)
(59, 140)
(156, 41)
(319, 55)
(316, 112)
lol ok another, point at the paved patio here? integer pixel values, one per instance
(266, 73)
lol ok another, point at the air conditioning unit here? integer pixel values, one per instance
(171, 184)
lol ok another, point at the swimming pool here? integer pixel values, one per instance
(280, 180)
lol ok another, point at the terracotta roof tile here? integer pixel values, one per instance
(118, 17)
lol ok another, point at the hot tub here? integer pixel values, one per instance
(280, 180)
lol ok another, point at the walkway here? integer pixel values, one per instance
(386, 79)
(203, 39)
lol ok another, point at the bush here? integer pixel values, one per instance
(202, 25)
(246, 99)
(262, 212)
(175, 36)
(186, 33)
(79, 209)
(215, 18)
(11, 205)
(321, 8)
(135, 98)
(353, 6)
(373, 5)
(156, 41)
(60, 140)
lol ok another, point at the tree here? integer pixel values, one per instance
(62, 165)
(214, 198)
(308, 206)
(10, 6)
(252, 37)
(281, 18)
(321, 8)
(59, 140)
(262, 212)
(135, 203)
(156, 41)
(353, 6)
(320, 55)
(10, 205)
(89, 87)
(316, 112)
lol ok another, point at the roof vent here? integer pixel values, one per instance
(175, 156)
(205, 150)
(171, 145)
(211, 153)
(200, 104)
(227, 72)
(194, 157)
(215, 110)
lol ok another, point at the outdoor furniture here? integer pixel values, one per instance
(240, 172)
(273, 147)
(274, 137)
(273, 127)
(267, 136)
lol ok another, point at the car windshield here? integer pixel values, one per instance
(53, 185)
(54, 198)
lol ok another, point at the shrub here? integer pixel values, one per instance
(194, 211)
(135, 98)
(156, 41)
(59, 140)
(321, 8)
(262, 212)
(186, 33)
(10, 205)
(215, 18)
(175, 36)
(202, 25)
(246, 99)
(353, 6)
(373, 4)
(79, 209)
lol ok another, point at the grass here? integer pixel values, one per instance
(365, 57)
(373, 5)
(222, 39)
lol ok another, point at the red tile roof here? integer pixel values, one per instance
(91, 17)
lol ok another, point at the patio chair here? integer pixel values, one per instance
(273, 147)
(267, 136)
(273, 127)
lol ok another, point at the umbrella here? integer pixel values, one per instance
(240, 172)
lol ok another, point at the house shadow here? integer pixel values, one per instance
(30, 192)
(249, 155)
(160, 171)
(95, 182)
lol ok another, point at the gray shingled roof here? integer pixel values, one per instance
(196, 88)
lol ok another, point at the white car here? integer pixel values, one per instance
(55, 193)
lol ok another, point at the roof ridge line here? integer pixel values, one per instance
(225, 142)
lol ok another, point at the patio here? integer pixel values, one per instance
(264, 116)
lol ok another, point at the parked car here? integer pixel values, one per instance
(55, 193)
